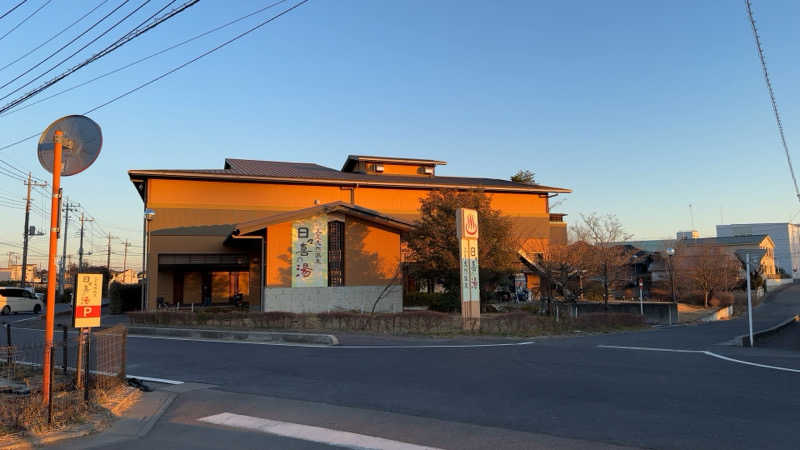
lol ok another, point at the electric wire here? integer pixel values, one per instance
(175, 69)
(22, 2)
(138, 61)
(117, 44)
(50, 39)
(771, 95)
(171, 71)
(25, 19)
(53, 54)
(95, 39)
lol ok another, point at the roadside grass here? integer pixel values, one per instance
(430, 323)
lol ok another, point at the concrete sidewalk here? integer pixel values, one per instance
(134, 423)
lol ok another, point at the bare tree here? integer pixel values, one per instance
(607, 257)
(707, 268)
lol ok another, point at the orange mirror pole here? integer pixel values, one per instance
(51, 269)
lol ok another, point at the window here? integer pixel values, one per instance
(335, 253)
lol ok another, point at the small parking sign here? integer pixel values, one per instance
(87, 300)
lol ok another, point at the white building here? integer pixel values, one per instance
(786, 237)
(691, 234)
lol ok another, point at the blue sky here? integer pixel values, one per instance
(640, 107)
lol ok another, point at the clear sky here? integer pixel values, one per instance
(640, 107)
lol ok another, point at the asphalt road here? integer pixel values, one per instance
(660, 388)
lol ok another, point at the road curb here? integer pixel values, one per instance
(237, 335)
(744, 340)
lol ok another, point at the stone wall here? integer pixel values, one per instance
(339, 298)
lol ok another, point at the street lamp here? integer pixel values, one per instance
(148, 217)
(671, 253)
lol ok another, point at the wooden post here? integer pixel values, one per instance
(79, 376)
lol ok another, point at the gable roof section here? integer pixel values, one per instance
(309, 173)
(347, 209)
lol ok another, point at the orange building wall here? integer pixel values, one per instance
(279, 255)
(372, 254)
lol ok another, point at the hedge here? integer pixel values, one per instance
(409, 322)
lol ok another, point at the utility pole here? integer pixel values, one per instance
(126, 244)
(80, 249)
(67, 208)
(26, 233)
(108, 257)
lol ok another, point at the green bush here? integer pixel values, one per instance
(125, 297)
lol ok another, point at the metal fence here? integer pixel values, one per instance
(83, 368)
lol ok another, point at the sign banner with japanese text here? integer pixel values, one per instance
(87, 301)
(470, 282)
(310, 252)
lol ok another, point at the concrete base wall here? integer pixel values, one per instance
(654, 312)
(339, 298)
(724, 313)
(771, 282)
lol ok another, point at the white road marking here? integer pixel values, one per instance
(785, 369)
(703, 352)
(224, 341)
(651, 349)
(508, 344)
(310, 433)
(154, 380)
(26, 319)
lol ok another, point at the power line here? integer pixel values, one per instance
(22, 2)
(235, 38)
(54, 36)
(771, 95)
(140, 60)
(66, 45)
(175, 69)
(25, 19)
(138, 31)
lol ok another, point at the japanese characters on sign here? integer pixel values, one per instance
(470, 281)
(467, 229)
(310, 252)
(87, 301)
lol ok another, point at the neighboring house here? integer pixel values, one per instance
(262, 228)
(786, 237)
(129, 276)
(16, 272)
(690, 247)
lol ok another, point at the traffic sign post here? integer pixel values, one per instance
(467, 232)
(67, 147)
(641, 304)
(747, 256)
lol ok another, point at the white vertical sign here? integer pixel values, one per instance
(467, 230)
(310, 252)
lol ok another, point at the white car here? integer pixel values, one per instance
(14, 300)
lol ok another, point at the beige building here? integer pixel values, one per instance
(16, 272)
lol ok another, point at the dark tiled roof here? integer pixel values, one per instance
(309, 172)
(327, 208)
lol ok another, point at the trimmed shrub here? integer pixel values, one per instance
(125, 297)
(435, 301)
